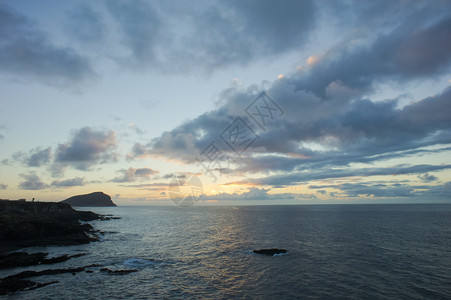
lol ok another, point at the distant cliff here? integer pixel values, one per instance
(93, 199)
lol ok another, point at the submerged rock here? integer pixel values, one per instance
(118, 272)
(270, 251)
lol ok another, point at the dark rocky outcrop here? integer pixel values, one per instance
(270, 251)
(118, 272)
(25, 224)
(12, 285)
(23, 259)
(90, 200)
(18, 282)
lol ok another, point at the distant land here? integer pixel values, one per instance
(95, 199)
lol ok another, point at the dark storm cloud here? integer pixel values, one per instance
(26, 51)
(32, 182)
(77, 181)
(87, 148)
(35, 158)
(133, 174)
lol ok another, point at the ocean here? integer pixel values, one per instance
(334, 251)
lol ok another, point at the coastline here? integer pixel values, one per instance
(29, 224)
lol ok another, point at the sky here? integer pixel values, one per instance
(248, 102)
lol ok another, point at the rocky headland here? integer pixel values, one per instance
(96, 199)
(27, 224)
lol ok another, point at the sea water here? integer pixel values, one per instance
(334, 251)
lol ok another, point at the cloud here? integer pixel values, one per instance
(32, 182)
(35, 158)
(27, 52)
(174, 37)
(86, 25)
(3, 186)
(133, 174)
(391, 190)
(86, 148)
(254, 194)
(2, 127)
(327, 173)
(415, 49)
(140, 27)
(330, 120)
(314, 133)
(427, 177)
(77, 181)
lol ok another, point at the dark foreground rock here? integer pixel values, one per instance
(23, 259)
(26, 224)
(9, 286)
(18, 282)
(270, 251)
(90, 200)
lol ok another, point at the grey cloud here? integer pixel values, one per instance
(306, 176)
(3, 186)
(86, 25)
(77, 181)
(87, 147)
(35, 158)
(145, 186)
(253, 194)
(275, 26)
(350, 131)
(32, 182)
(176, 36)
(132, 174)
(2, 136)
(415, 49)
(393, 190)
(27, 52)
(140, 24)
(427, 177)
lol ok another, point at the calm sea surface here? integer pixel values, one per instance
(335, 251)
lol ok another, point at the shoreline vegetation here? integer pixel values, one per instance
(28, 224)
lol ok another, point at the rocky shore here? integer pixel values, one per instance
(27, 224)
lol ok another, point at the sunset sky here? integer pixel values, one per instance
(120, 96)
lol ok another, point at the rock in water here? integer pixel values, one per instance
(93, 199)
(270, 251)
